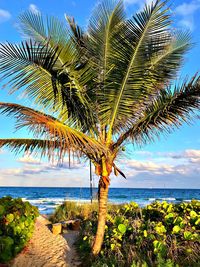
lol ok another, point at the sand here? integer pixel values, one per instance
(47, 250)
(72, 256)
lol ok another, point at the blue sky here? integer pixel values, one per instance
(173, 161)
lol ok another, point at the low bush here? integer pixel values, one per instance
(161, 234)
(17, 220)
(76, 210)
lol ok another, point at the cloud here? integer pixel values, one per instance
(4, 15)
(192, 153)
(33, 8)
(131, 2)
(151, 167)
(187, 23)
(31, 166)
(174, 169)
(187, 11)
(28, 159)
(163, 167)
(2, 151)
(36, 173)
(186, 154)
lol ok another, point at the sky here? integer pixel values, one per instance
(173, 161)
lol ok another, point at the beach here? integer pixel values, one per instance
(46, 249)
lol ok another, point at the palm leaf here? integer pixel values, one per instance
(48, 127)
(164, 66)
(137, 42)
(76, 33)
(49, 30)
(53, 33)
(35, 67)
(103, 24)
(169, 110)
(37, 146)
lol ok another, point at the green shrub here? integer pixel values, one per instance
(161, 234)
(74, 210)
(17, 220)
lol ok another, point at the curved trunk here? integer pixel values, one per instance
(103, 198)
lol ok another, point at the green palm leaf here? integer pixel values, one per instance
(54, 34)
(169, 110)
(103, 25)
(35, 67)
(49, 30)
(139, 39)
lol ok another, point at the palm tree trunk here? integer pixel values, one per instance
(103, 199)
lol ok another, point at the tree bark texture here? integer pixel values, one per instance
(103, 199)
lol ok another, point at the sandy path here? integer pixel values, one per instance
(44, 249)
(72, 256)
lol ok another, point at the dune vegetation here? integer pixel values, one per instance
(17, 220)
(161, 234)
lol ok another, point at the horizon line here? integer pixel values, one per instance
(2, 186)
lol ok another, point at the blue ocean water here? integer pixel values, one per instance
(46, 199)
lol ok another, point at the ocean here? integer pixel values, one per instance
(48, 198)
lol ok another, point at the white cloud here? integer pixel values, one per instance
(175, 169)
(36, 173)
(33, 8)
(187, 10)
(151, 167)
(28, 159)
(186, 154)
(192, 153)
(4, 15)
(164, 169)
(31, 165)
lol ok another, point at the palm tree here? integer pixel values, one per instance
(99, 89)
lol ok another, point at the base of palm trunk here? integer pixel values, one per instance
(103, 199)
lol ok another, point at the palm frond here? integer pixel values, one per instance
(162, 69)
(167, 61)
(27, 63)
(76, 33)
(169, 110)
(132, 49)
(103, 24)
(35, 68)
(48, 127)
(53, 33)
(48, 30)
(36, 146)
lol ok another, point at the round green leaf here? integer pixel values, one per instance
(122, 228)
(176, 229)
(10, 217)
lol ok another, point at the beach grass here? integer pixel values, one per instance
(70, 210)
